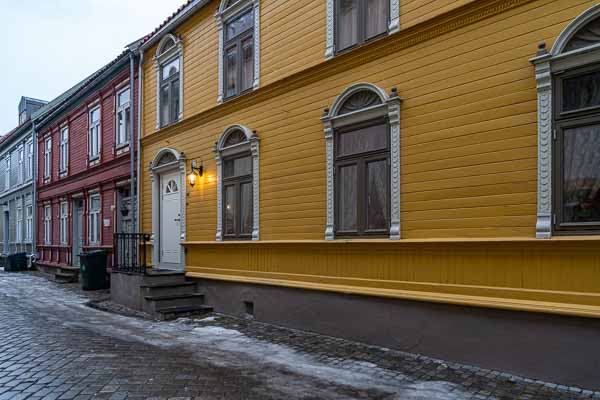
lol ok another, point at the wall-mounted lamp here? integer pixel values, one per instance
(196, 172)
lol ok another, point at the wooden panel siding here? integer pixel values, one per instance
(468, 155)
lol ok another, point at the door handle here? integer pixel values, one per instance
(177, 220)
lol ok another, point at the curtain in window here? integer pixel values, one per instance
(581, 174)
(231, 71)
(377, 17)
(348, 23)
(348, 200)
(247, 63)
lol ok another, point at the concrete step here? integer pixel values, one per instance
(166, 289)
(154, 303)
(163, 277)
(169, 313)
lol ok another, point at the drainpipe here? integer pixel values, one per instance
(34, 202)
(132, 153)
(139, 139)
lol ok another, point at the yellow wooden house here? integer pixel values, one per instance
(411, 173)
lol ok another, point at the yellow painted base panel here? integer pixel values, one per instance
(476, 301)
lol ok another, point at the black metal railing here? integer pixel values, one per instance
(130, 252)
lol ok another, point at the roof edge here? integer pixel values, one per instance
(179, 17)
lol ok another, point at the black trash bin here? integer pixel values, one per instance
(93, 273)
(16, 262)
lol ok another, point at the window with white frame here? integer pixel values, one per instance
(19, 233)
(123, 116)
(351, 23)
(29, 223)
(568, 86)
(48, 158)
(29, 159)
(94, 134)
(64, 149)
(64, 220)
(362, 136)
(48, 224)
(21, 165)
(237, 154)
(239, 47)
(94, 219)
(170, 71)
(7, 172)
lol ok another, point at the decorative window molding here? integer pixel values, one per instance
(64, 222)
(571, 50)
(336, 117)
(29, 223)
(170, 49)
(330, 50)
(95, 219)
(167, 160)
(122, 120)
(19, 227)
(223, 149)
(47, 224)
(229, 9)
(64, 151)
(94, 134)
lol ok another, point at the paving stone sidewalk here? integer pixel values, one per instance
(55, 347)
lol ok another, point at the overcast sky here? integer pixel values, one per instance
(50, 45)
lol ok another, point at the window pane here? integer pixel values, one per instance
(175, 100)
(240, 24)
(246, 208)
(348, 197)
(170, 69)
(231, 72)
(247, 63)
(377, 204)
(347, 23)
(95, 115)
(120, 127)
(377, 17)
(581, 175)
(123, 98)
(581, 91)
(237, 167)
(164, 105)
(229, 202)
(363, 140)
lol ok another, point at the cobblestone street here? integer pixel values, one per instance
(54, 346)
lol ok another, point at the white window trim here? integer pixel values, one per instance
(7, 166)
(222, 16)
(19, 226)
(48, 224)
(98, 126)
(122, 109)
(64, 150)
(98, 215)
(21, 164)
(393, 24)
(30, 165)
(546, 64)
(220, 152)
(161, 59)
(28, 223)
(390, 108)
(47, 158)
(64, 222)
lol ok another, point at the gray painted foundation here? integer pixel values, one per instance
(551, 348)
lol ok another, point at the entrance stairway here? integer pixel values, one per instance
(168, 295)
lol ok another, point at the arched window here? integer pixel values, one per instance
(362, 135)
(236, 153)
(568, 79)
(239, 47)
(169, 67)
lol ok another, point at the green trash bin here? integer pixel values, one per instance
(16, 262)
(93, 270)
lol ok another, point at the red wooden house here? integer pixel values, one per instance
(84, 188)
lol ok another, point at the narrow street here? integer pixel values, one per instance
(54, 346)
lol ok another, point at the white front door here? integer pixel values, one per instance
(170, 221)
